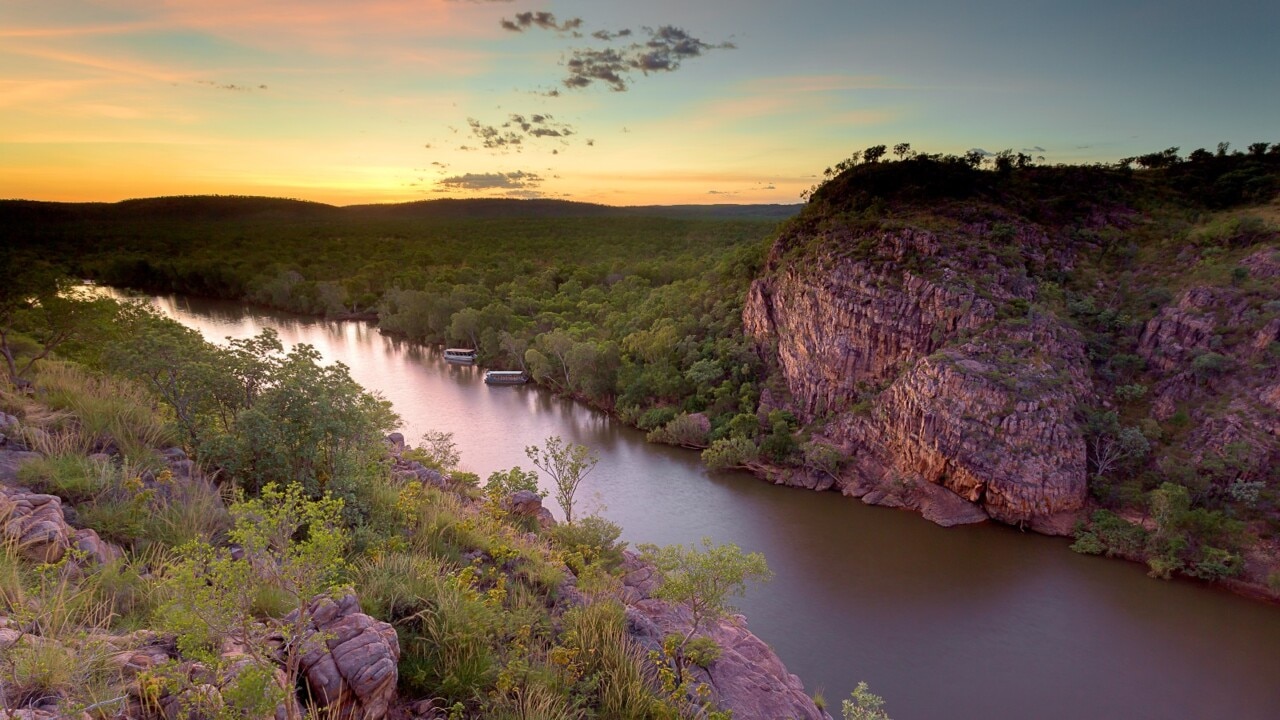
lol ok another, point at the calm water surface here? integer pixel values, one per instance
(972, 622)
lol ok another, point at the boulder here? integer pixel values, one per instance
(35, 523)
(748, 678)
(526, 503)
(396, 442)
(96, 550)
(349, 659)
(11, 460)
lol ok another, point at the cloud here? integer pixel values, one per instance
(1036, 149)
(518, 180)
(512, 133)
(721, 192)
(610, 36)
(665, 50)
(543, 20)
(587, 66)
(229, 86)
(493, 138)
(982, 152)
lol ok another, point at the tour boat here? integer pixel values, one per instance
(464, 356)
(506, 377)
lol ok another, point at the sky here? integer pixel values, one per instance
(653, 102)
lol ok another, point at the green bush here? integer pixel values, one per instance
(591, 540)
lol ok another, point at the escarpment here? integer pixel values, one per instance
(1062, 349)
(924, 378)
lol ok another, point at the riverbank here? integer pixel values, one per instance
(937, 505)
(860, 593)
(422, 545)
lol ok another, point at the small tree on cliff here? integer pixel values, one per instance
(567, 465)
(703, 581)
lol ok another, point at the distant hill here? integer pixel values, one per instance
(219, 207)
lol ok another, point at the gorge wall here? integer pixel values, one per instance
(944, 402)
(1035, 345)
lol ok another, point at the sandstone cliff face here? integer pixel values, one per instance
(942, 404)
(1198, 325)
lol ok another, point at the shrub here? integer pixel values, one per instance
(593, 540)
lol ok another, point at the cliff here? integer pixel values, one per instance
(1033, 345)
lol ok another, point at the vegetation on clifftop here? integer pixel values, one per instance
(1168, 270)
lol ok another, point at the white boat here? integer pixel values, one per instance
(505, 377)
(463, 356)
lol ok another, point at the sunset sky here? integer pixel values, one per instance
(696, 101)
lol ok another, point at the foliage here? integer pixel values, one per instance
(863, 705)
(503, 483)
(436, 449)
(291, 545)
(592, 541)
(703, 580)
(566, 465)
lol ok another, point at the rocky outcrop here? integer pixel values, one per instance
(35, 523)
(349, 659)
(748, 677)
(944, 400)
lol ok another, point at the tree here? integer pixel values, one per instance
(438, 448)
(902, 150)
(1110, 445)
(567, 465)
(292, 551)
(863, 705)
(48, 310)
(502, 483)
(703, 580)
(873, 153)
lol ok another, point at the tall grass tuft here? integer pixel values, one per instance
(109, 410)
(619, 665)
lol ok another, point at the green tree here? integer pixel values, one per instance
(50, 312)
(863, 705)
(566, 465)
(293, 551)
(703, 580)
(502, 483)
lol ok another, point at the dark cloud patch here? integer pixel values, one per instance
(1036, 149)
(494, 138)
(525, 194)
(518, 180)
(512, 134)
(607, 36)
(666, 48)
(587, 66)
(542, 20)
(981, 152)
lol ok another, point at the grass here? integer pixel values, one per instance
(109, 411)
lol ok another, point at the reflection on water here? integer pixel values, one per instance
(958, 623)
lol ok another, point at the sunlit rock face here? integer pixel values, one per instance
(918, 356)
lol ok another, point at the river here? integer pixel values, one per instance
(970, 622)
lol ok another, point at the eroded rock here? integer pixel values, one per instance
(349, 659)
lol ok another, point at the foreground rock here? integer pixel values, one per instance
(748, 678)
(349, 659)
